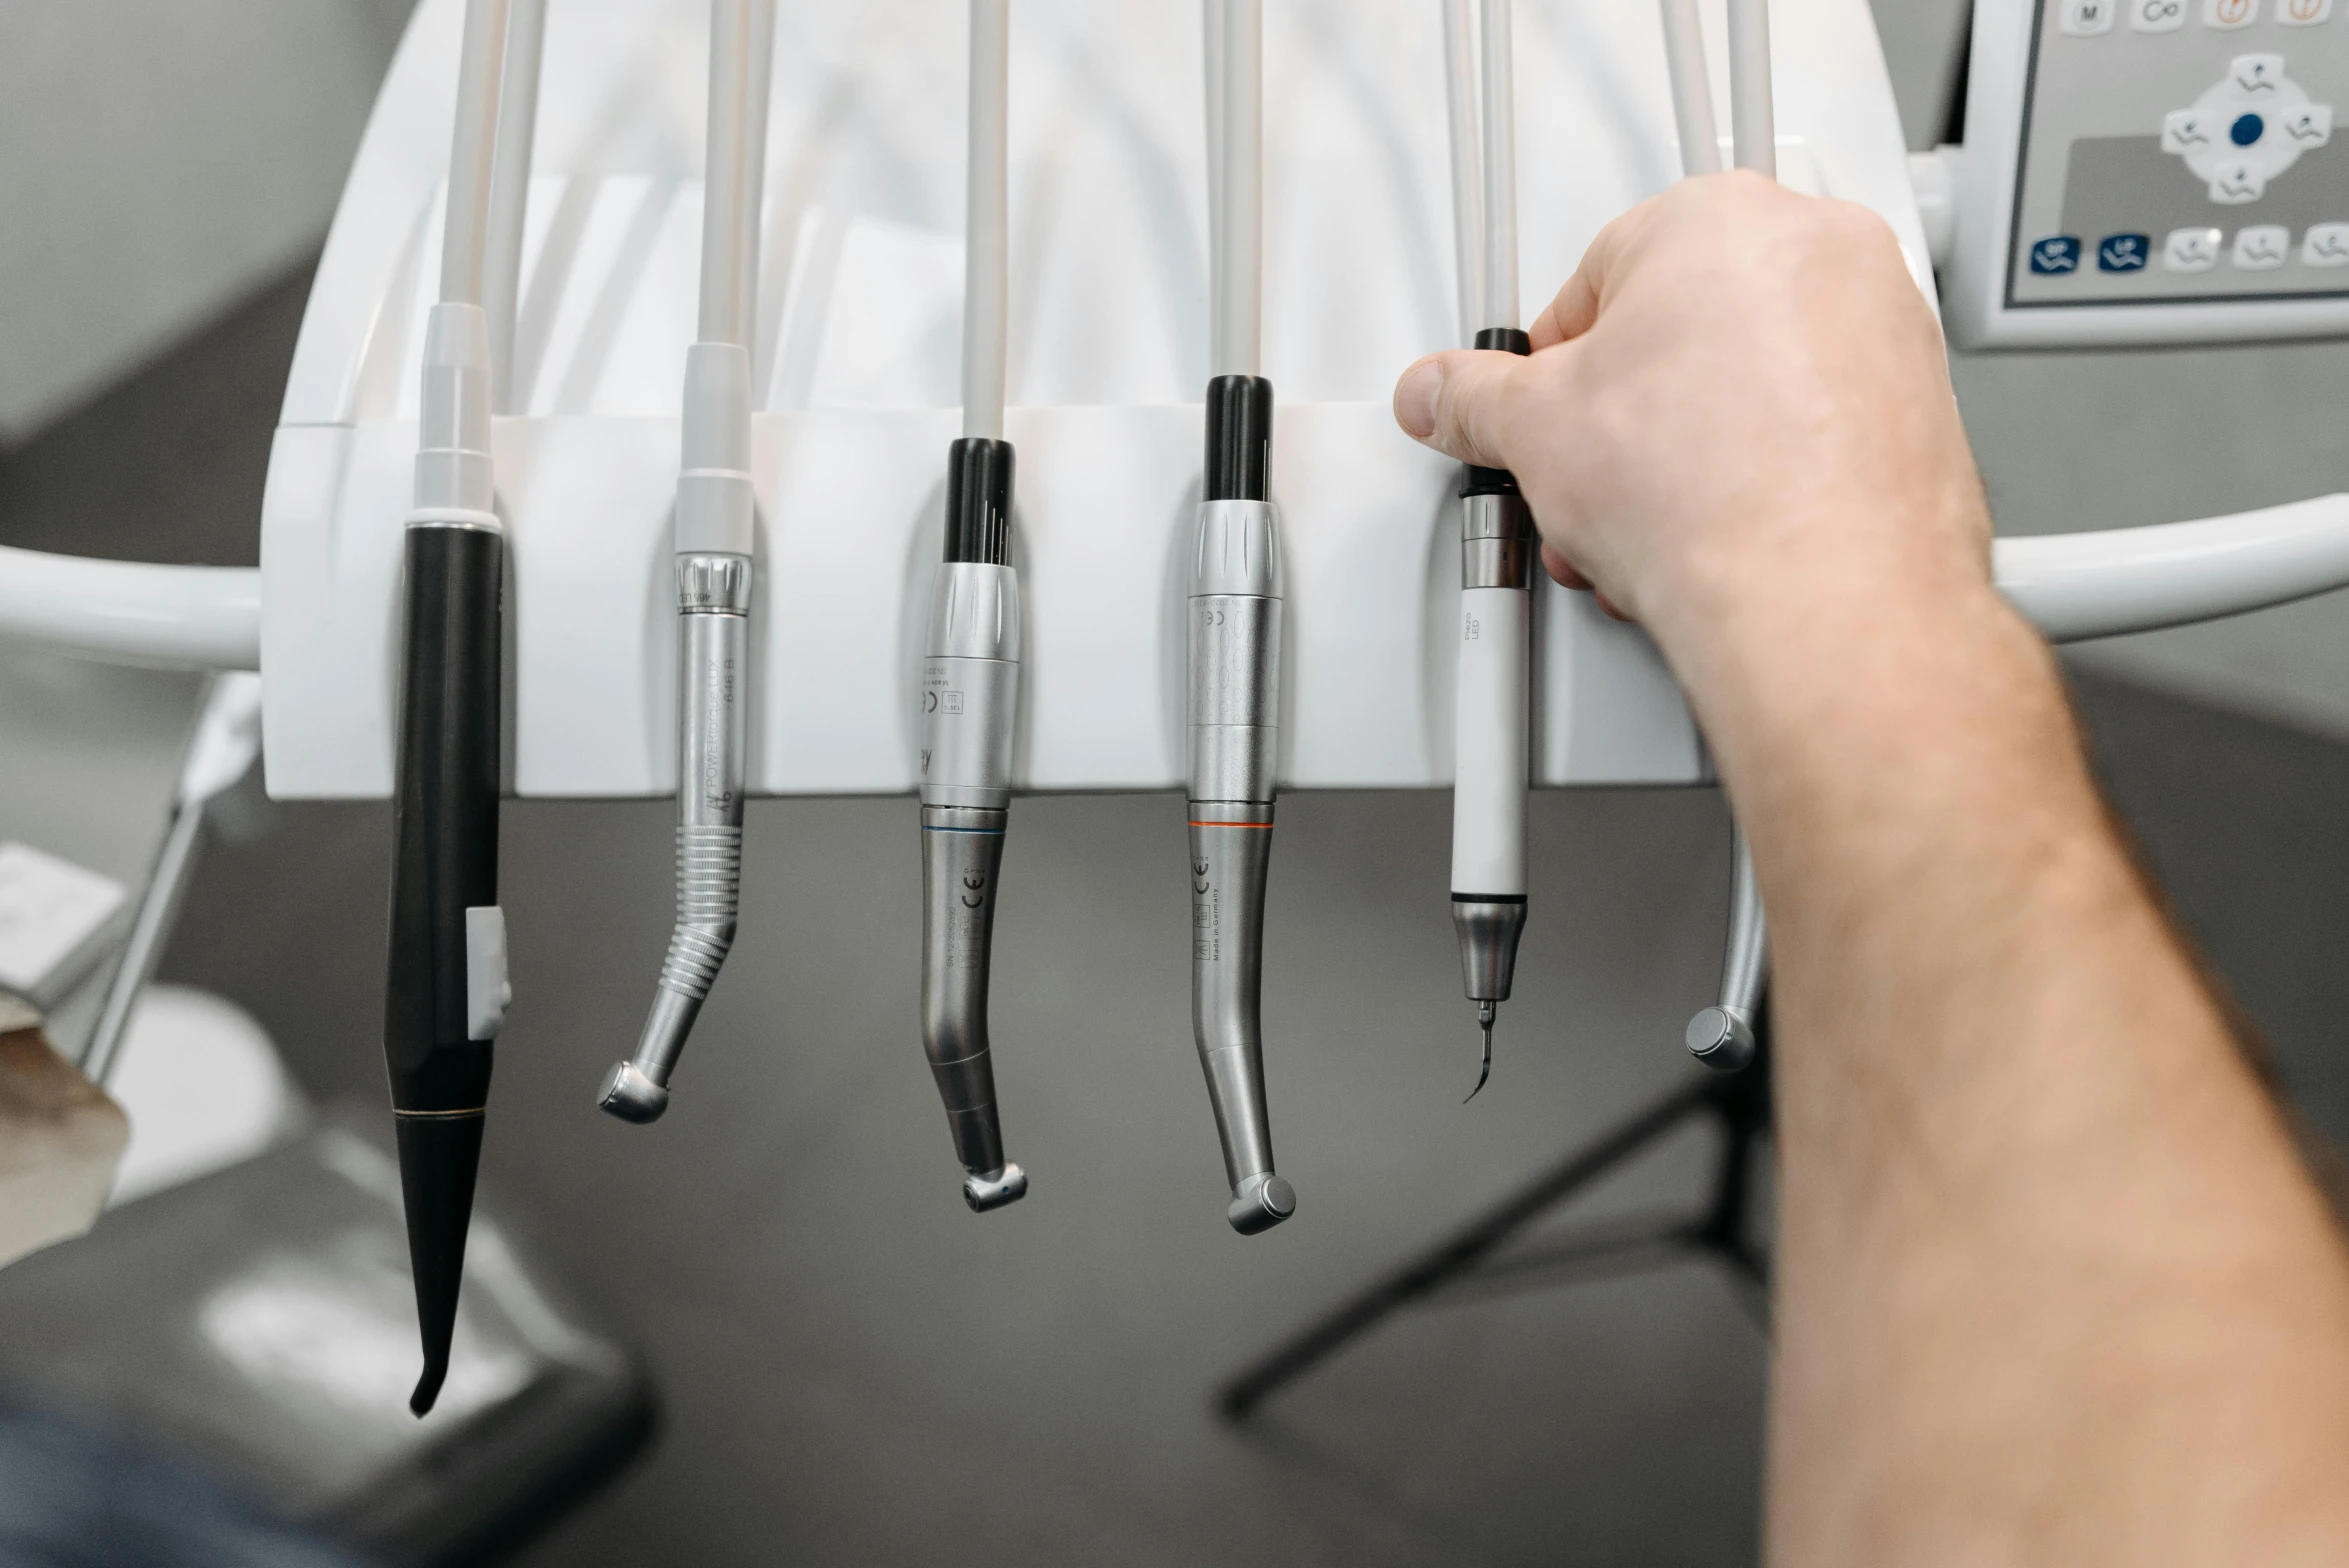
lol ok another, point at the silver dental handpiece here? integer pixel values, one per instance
(716, 530)
(713, 654)
(970, 691)
(1235, 652)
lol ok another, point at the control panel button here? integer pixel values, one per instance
(2237, 182)
(2257, 76)
(2310, 125)
(2055, 255)
(2325, 245)
(2225, 14)
(2262, 247)
(2303, 13)
(2123, 253)
(2157, 16)
(2189, 130)
(2087, 18)
(2190, 250)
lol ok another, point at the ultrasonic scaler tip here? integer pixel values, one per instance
(1486, 1011)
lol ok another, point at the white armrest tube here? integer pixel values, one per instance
(2078, 586)
(201, 617)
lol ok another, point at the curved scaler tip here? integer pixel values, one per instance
(1485, 1013)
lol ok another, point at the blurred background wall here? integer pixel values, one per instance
(160, 160)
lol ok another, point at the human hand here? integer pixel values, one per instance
(1738, 404)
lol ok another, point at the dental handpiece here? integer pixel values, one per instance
(1235, 634)
(445, 988)
(1492, 709)
(716, 530)
(970, 692)
(1235, 650)
(971, 663)
(1722, 1035)
(1492, 718)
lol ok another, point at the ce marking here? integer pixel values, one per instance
(972, 888)
(1199, 870)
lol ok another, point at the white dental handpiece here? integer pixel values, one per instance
(971, 666)
(715, 534)
(1493, 706)
(1235, 639)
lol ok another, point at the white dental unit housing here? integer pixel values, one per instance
(2129, 167)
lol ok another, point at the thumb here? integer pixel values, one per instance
(1452, 402)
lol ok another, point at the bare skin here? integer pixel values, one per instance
(2053, 1285)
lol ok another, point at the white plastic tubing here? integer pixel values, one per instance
(986, 279)
(1235, 145)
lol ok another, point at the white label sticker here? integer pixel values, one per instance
(48, 909)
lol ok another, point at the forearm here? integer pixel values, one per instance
(2052, 1284)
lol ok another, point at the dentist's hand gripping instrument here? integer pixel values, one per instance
(445, 988)
(1235, 640)
(1492, 710)
(716, 529)
(971, 667)
(1722, 1036)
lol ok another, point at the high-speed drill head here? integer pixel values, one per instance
(440, 1157)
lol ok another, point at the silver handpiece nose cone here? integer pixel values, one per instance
(1722, 1038)
(1261, 1203)
(1006, 1186)
(628, 1094)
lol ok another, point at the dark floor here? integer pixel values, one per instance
(857, 1370)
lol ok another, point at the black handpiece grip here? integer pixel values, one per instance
(444, 813)
(1239, 439)
(1495, 481)
(444, 862)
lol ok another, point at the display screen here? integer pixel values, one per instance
(2183, 151)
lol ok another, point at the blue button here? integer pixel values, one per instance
(2058, 253)
(2123, 253)
(2247, 129)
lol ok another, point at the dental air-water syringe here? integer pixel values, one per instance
(1235, 634)
(716, 531)
(971, 663)
(1493, 711)
(446, 990)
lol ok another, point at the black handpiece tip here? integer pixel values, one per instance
(427, 1393)
(439, 1158)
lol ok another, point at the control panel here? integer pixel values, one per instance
(2154, 170)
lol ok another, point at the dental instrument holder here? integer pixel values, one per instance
(1493, 709)
(716, 524)
(969, 697)
(1235, 662)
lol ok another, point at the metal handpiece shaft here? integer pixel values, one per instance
(715, 533)
(970, 691)
(1237, 610)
